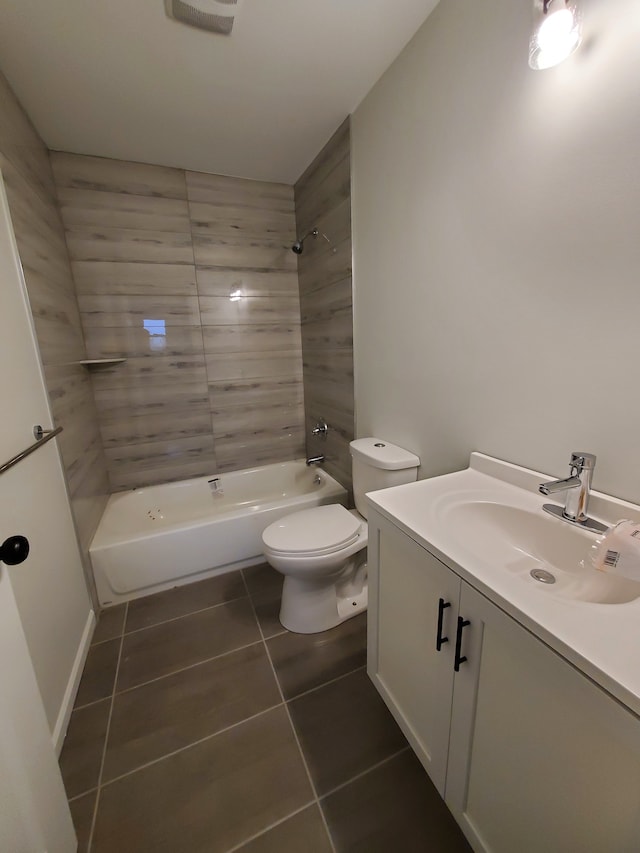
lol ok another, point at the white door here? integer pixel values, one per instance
(34, 815)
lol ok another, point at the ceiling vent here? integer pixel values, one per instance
(213, 16)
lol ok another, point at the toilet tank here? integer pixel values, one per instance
(378, 464)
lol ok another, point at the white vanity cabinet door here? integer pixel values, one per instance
(541, 759)
(406, 584)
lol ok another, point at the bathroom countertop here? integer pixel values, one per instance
(600, 639)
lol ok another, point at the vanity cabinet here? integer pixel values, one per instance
(415, 680)
(529, 754)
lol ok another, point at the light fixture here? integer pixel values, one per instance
(557, 32)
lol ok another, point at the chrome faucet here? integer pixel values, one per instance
(578, 487)
(321, 429)
(315, 460)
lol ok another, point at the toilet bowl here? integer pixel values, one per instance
(322, 551)
(319, 551)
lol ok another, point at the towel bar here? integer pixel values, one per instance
(37, 430)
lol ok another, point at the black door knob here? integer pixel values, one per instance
(14, 550)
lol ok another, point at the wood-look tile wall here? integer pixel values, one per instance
(212, 384)
(323, 201)
(40, 237)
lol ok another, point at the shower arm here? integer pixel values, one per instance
(315, 233)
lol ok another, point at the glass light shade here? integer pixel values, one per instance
(557, 33)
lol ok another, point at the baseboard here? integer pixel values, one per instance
(60, 728)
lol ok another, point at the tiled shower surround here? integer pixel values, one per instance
(323, 201)
(210, 383)
(222, 387)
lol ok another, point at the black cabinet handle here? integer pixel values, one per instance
(462, 623)
(442, 606)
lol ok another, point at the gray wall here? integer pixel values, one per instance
(496, 251)
(222, 388)
(40, 237)
(323, 200)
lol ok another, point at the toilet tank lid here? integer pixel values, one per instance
(383, 454)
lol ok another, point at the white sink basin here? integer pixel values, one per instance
(521, 541)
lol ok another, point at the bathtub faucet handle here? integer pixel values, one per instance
(315, 460)
(321, 429)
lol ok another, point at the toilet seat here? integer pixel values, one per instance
(313, 532)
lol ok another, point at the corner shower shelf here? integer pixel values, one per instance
(92, 363)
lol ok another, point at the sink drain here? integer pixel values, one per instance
(542, 575)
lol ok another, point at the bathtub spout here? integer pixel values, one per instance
(315, 460)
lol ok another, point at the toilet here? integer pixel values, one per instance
(322, 551)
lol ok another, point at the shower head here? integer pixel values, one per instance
(298, 246)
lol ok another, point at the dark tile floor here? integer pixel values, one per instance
(202, 725)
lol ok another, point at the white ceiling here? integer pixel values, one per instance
(117, 78)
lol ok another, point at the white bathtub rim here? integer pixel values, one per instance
(327, 495)
(329, 491)
(241, 472)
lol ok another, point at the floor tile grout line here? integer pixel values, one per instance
(91, 704)
(182, 616)
(83, 794)
(106, 738)
(293, 728)
(271, 826)
(168, 674)
(326, 683)
(306, 767)
(182, 669)
(106, 640)
(102, 642)
(190, 745)
(365, 772)
(118, 634)
(273, 636)
(266, 638)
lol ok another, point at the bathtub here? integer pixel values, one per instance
(158, 537)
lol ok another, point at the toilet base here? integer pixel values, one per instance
(310, 607)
